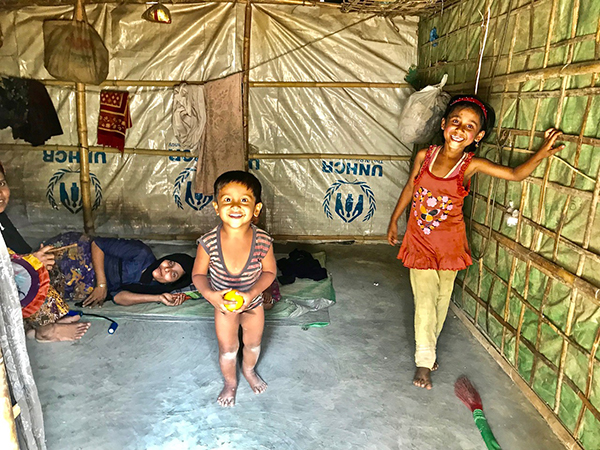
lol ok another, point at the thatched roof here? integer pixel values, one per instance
(379, 7)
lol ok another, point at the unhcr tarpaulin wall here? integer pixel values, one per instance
(325, 92)
(533, 290)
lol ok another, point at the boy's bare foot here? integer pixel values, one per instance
(256, 383)
(62, 330)
(422, 378)
(227, 396)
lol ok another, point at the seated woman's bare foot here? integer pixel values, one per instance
(256, 383)
(422, 378)
(69, 319)
(227, 396)
(435, 366)
(58, 332)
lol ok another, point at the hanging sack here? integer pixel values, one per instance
(422, 115)
(74, 51)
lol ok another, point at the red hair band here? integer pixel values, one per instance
(471, 100)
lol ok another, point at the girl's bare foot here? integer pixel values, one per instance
(227, 396)
(256, 383)
(422, 378)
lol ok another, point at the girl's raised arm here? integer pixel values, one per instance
(519, 173)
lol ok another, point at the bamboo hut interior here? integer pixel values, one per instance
(323, 85)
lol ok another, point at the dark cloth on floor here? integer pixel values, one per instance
(12, 237)
(300, 264)
(26, 107)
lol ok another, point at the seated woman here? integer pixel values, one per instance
(124, 270)
(50, 323)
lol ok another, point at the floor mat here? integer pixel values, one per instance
(304, 302)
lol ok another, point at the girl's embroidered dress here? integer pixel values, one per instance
(435, 234)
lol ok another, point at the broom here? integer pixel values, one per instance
(467, 393)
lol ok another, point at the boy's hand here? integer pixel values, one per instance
(547, 149)
(216, 299)
(247, 300)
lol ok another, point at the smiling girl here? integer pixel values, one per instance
(435, 245)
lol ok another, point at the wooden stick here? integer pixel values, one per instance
(60, 249)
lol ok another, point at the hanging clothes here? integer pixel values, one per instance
(189, 116)
(114, 118)
(223, 146)
(26, 107)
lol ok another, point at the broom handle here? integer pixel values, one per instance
(485, 430)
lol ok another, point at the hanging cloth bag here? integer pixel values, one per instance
(422, 114)
(74, 51)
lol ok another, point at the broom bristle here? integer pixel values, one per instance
(467, 393)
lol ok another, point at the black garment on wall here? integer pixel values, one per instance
(26, 107)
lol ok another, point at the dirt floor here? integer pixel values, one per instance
(153, 384)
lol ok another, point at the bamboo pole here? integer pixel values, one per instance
(528, 52)
(84, 167)
(246, 77)
(8, 429)
(546, 266)
(297, 156)
(181, 154)
(581, 68)
(255, 84)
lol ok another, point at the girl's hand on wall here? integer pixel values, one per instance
(96, 298)
(548, 149)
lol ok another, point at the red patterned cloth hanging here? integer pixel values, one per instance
(114, 118)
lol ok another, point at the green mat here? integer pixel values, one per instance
(304, 302)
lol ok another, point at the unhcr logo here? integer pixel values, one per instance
(184, 181)
(363, 167)
(350, 199)
(66, 181)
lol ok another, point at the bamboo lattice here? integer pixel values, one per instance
(534, 289)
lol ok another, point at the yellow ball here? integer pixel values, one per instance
(233, 296)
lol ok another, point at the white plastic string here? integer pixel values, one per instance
(484, 24)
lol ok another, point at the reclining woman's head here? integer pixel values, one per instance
(173, 268)
(172, 272)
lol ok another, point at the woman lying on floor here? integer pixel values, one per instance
(124, 270)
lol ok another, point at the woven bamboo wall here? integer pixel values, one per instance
(534, 288)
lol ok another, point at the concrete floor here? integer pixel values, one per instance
(153, 384)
